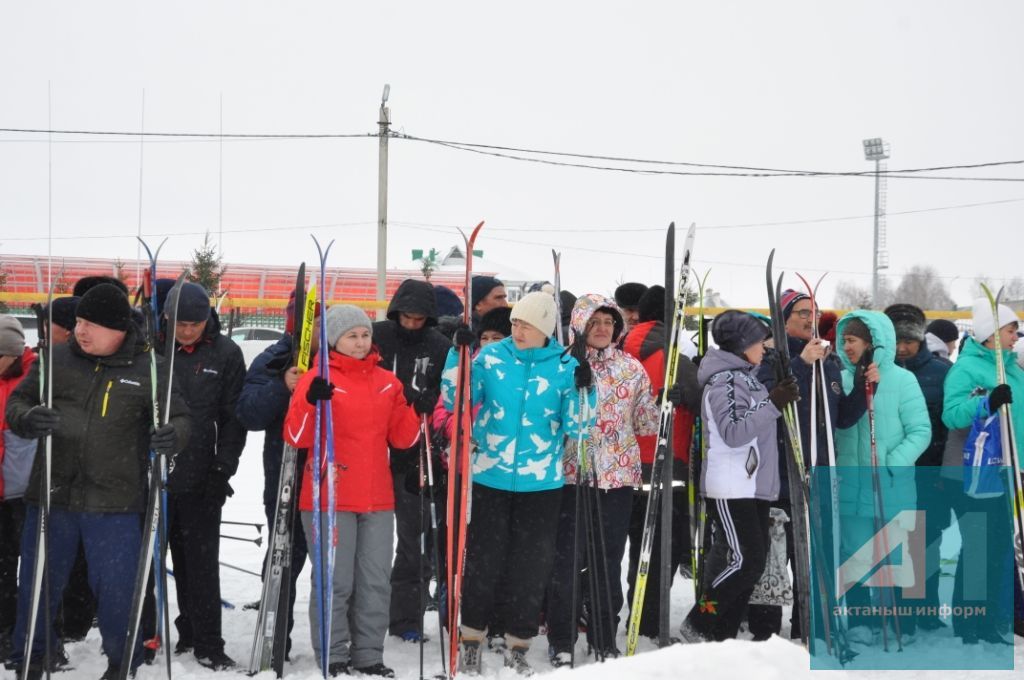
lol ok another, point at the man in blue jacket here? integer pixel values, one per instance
(262, 405)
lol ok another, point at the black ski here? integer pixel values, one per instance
(795, 465)
(270, 641)
(665, 555)
(662, 452)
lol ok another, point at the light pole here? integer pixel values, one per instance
(876, 150)
(382, 195)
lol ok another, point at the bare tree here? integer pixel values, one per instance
(922, 286)
(851, 296)
(1014, 289)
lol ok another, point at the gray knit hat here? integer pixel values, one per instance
(12, 336)
(735, 331)
(341, 319)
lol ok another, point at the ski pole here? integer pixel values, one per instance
(259, 527)
(607, 625)
(869, 391)
(244, 571)
(434, 532)
(423, 550)
(258, 540)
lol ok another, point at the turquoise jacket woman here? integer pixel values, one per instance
(525, 404)
(970, 380)
(902, 428)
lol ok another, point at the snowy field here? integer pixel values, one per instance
(776, 658)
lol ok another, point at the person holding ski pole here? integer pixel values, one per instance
(527, 387)
(210, 370)
(101, 424)
(369, 414)
(16, 455)
(412, 348)
(913, 354)
(971, 388)
(262, 405)
(878, 454)
(646, 342)
(740, 476)
(799, 314)
(494, 326)
(626, 410)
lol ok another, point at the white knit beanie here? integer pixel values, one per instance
(341, 319)
(984, 325)
(538, 310)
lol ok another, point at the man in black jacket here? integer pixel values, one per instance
(210, 369)
(844, 411)
(912, 353)
(262, 405)
(414, 351)
(101, 424)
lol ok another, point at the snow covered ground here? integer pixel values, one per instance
(776, 658)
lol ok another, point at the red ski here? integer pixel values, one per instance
(459, 470)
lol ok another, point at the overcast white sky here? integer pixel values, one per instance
(780, 84)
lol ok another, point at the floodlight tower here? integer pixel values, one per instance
(878, 151)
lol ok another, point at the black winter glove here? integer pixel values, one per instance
(998, 397)
(584, 375)
(697, 358)
(785, 393)
(164, 440)
(425, 402)
(40, 422)
(217, 487)
(463, 337)
(319, 390)
(674, 394)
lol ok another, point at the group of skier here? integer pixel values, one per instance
(565, 435)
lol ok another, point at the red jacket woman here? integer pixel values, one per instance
(369, 412)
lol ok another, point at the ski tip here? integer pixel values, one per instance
(476, 230)
(771, 257)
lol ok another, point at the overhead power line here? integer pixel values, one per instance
(894, 174)
(548, 157)
(520, 229)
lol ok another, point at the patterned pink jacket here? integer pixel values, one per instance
(625, 407)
